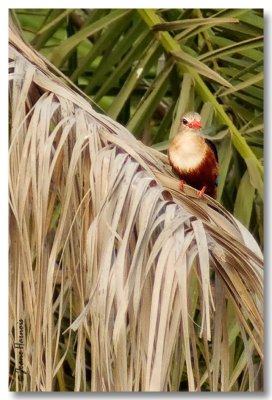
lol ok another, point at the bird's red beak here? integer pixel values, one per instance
(195, 124)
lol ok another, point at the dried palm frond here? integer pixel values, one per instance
(123, 282)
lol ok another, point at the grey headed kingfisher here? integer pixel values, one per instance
(193, 157)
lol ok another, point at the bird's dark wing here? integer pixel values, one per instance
(212, 146)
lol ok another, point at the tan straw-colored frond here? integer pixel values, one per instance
(122, 281)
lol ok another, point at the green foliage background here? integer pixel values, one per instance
(145, 68)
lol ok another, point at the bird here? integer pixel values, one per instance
(193, 157)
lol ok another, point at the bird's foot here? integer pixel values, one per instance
(201, 192)
(181, 184)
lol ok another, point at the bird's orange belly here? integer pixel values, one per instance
(203, 175)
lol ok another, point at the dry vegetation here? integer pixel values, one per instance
(123, 282)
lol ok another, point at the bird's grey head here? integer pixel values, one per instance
(191, 120)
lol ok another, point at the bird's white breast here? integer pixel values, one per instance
(186, 152)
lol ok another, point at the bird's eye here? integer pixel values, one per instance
(184, 121)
